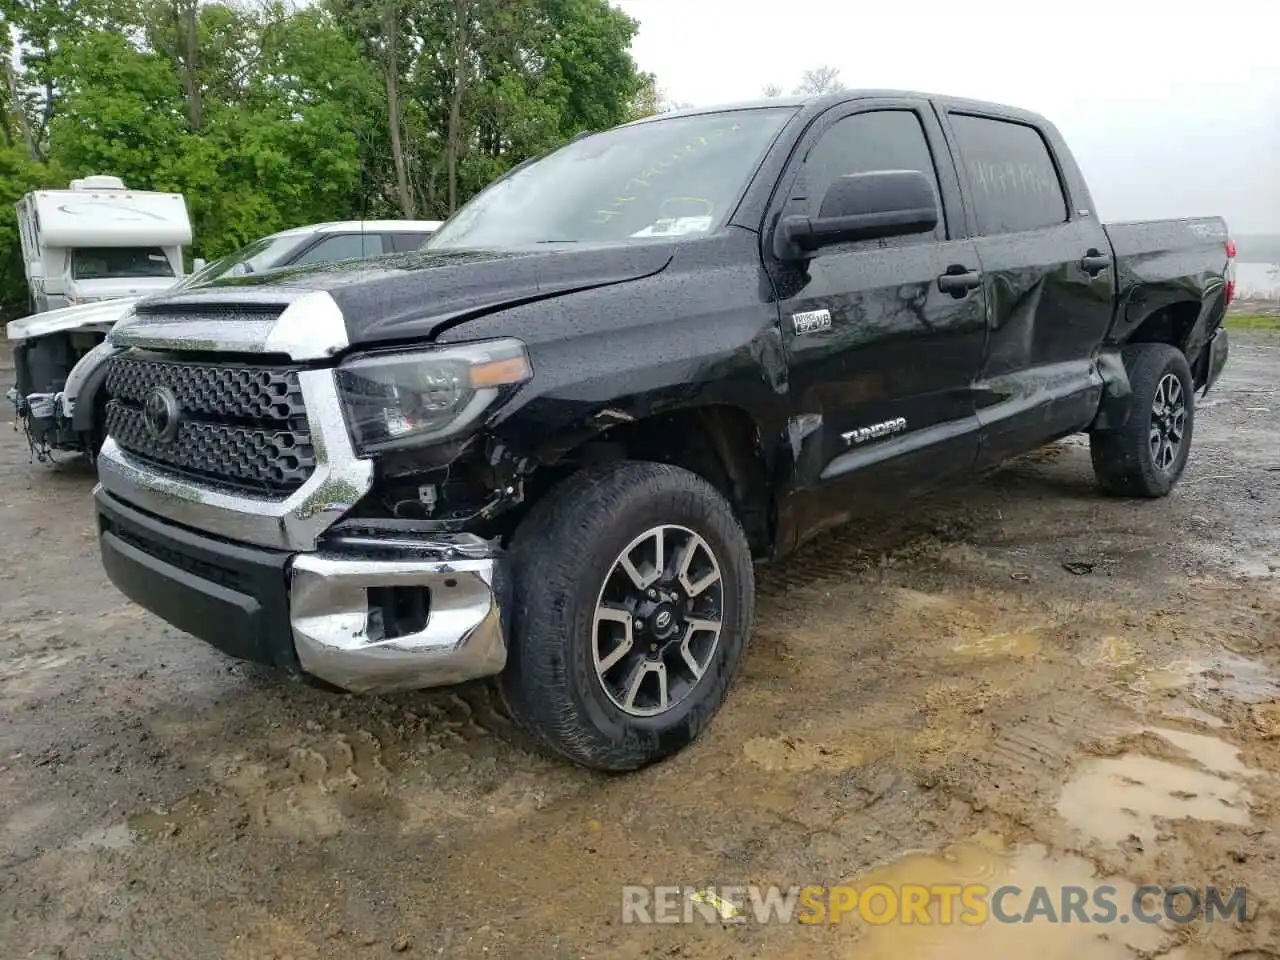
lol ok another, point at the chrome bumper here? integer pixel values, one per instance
(319, 613)
(336, 640)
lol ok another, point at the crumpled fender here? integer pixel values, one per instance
(1117, 392)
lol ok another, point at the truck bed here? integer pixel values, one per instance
(1162, 261)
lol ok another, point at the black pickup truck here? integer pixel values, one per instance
(548, 447)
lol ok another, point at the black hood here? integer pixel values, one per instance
(420, 294)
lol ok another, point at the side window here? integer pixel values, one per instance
(863, 142)
(343, 246)
(403, 242)
(1014, 182)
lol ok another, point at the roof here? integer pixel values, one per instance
(818, 102)
(383, 226)
(356, 226)
(110, 218)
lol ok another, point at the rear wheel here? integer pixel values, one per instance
(633, 602)
(1146, 455)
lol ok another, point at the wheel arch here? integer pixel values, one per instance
(1187, 324)
(720, 442)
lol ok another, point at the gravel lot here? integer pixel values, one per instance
(941, 686)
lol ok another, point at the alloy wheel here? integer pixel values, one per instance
(1168, 422)
(657, 620)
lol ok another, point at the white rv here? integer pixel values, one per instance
(100, 240)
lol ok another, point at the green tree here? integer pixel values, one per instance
(18, 174)
(269, 116)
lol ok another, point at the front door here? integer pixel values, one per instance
(881, 357)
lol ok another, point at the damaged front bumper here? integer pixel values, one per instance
(367, 614)
(415, 617)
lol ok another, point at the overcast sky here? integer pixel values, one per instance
(1172, 108)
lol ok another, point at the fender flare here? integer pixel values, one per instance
(87, 400)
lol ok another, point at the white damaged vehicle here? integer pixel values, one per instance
(58, 354)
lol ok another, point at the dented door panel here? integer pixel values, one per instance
(1047, 316)
(1049, 279)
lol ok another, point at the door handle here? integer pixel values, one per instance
(959, 280)
(1093, 262)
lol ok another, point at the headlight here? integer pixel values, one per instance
(406, 399)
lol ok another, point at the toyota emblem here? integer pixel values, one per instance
(161, 414)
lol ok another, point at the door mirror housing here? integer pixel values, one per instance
(865, 206)
(35, 270)
(198, 264)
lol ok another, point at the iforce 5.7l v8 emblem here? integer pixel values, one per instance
(811, 321)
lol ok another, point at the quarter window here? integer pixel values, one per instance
(1011, 174)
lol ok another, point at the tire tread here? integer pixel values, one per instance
(1121, 457)
(546, 555)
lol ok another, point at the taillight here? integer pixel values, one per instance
(1231, 270)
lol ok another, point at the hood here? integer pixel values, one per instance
(117, 288)
(82, 316)
(420, 294)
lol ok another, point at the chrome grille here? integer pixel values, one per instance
(239, 425)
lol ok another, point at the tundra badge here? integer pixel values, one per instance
(811, 321)
(875, 431)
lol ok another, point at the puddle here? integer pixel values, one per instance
(1224, 675)
(984, 860)
(1210, 752)
(159, 822)
(1116, 798)
(1022, 643)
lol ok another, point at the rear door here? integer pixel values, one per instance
(881, 360)
(1048, 277)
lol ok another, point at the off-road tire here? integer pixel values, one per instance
(1123, 461)
(560, 557)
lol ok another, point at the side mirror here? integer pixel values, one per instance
(197, 264)
(35, 270)
(866, 206)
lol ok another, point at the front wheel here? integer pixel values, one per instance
(1146, 455)
(633, 601)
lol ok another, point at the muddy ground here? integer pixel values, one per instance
(935, 699)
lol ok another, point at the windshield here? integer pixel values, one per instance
(118, 263)
(663, 178)
(252, 258)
